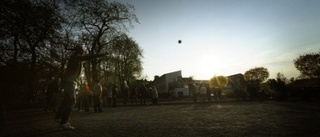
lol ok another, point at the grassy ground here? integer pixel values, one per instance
(176, 119)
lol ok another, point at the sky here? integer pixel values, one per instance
(224, 37)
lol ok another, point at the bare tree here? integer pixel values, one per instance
(97, 22)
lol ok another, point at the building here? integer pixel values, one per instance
(163, 82)
(237, 81)
(182, 92)
(175, 84)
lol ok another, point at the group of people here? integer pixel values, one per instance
(85, 96)
(145, 93)
(100, 95)
(68, 84)
(205, 92)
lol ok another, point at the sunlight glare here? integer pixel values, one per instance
(209, 65)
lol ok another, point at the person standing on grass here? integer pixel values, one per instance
(195, 91)
(126, 93)
(109, 95)
(97, 96)
(52, 95)
(80, 97)
(114, 95)
(143, 93)
(104, 95)
(68, 81)
(149, 94)
(133, 95)
(87, 98)
(203, 92)
(154, 95)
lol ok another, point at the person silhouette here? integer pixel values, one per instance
(97, 96)
(114, 95)
(52, 92)
(68, 82)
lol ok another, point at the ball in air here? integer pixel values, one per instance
(179, 41)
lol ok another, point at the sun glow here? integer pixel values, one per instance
(208, 66)
(217, 61)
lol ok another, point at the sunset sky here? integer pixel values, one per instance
(225, 37)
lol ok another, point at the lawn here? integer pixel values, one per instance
(223, 118)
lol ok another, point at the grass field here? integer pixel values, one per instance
(216, 119)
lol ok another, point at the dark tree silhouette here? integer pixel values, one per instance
(254, 77)
(36, 37)
(279, 86)
(97, 23)
(126, 56)
(26, 31)
(217, 83)
(309, 64)
(257, 73)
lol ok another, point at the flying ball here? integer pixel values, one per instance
(179, 41)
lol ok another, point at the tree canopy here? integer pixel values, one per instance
(97, 23)
(37, 36)
(27, 26)
(125, 59)
(218, 82)
(309, 64)
(257, 73)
